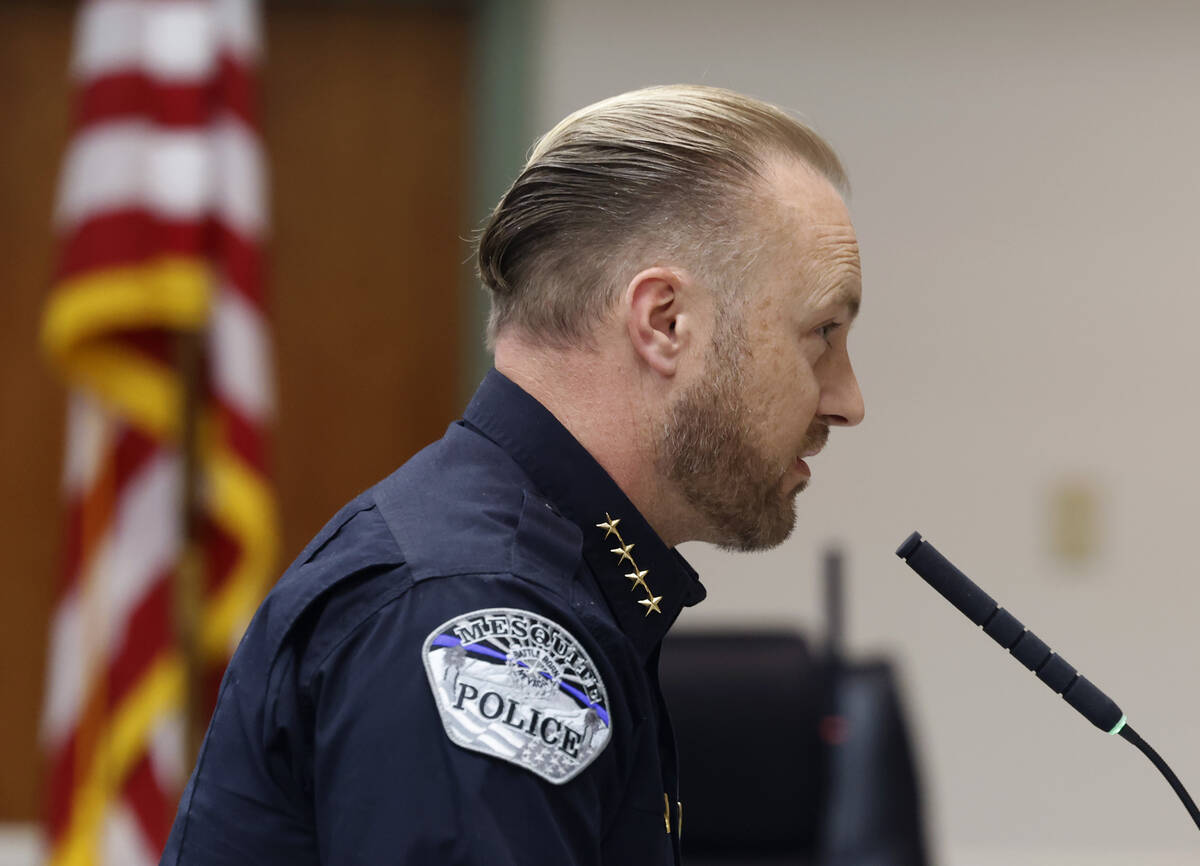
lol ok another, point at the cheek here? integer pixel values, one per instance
(779, 392)
(793, 387)
(786, 408)
(800, 408)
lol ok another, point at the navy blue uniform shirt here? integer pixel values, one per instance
(461, 668)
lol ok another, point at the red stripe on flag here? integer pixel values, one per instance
(148, 632)
(223, 552)
(153, 344)
(134, 449)
(133, 236)
(241, 260)
(238, 89)
(133, 95)
(90, 512)
(60, 783)
(149, 803)
(72, 556)
(243, 436)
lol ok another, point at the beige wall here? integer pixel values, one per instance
(1026, 178)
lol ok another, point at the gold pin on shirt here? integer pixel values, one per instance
(678, 815)
(651, 604)
(610, 526)
(623, 552)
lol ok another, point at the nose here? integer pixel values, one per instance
(841, 402)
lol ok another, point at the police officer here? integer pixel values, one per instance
(461, 668)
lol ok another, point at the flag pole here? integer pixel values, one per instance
(189, 576)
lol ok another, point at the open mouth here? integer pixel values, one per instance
(803, 467)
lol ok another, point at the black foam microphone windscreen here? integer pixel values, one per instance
(1008, 631)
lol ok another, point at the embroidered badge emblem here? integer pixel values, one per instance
(519, 687)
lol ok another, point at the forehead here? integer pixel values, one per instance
(812, 248)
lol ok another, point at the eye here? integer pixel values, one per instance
(826, 330)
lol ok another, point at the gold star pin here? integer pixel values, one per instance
(638, 578)
(609, 525)
(651, 604)
(623, 550)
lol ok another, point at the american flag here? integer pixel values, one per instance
(161, 215)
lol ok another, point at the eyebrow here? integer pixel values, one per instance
(844, 296)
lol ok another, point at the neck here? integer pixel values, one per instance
(601, 401)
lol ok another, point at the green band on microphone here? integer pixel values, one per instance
(1117, 727)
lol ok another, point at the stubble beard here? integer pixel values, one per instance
(707, 451)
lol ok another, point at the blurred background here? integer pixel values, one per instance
(1025, 180)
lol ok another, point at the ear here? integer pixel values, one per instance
(659, 321)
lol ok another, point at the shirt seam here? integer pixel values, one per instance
(391, 596)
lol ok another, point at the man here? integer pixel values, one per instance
(461, 667)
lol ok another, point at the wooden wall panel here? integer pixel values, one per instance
(367, 125)
(34, 44)
(366, 120)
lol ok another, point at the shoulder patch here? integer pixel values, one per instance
(519, 687)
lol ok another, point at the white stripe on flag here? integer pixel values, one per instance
(124, 843)
(240, 354)
(88, 432)
(176, 174)
(66, 673)
(174, 41)
(241, 177)
(142, 543)
(167, 751)
(238, 29)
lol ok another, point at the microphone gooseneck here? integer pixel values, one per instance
(1031, 651)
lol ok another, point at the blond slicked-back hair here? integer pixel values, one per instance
(663, 175)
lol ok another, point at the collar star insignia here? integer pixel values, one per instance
(624, 551)
(610, 527)
(638, 578)
(651, 603)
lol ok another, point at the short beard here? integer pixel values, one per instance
(706, 449)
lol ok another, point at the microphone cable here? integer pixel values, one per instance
(1031, 651)
(1129, 734)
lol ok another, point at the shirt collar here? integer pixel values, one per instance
(645, 583)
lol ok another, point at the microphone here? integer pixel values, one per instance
(1031, 651)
